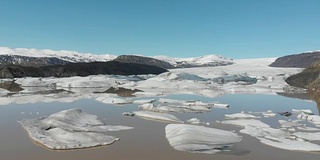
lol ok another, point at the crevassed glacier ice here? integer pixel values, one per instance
(70, 129)
(199, 139)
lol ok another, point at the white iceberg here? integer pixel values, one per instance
(305, 128)
(143, 101)
(199, 139)
(311, 136)
(268, 114)
(174, 108)
(157, 116)
(3, 92)
(273, 137)
(240, 116)
(113, 100)
(70, 129)
(289, 124)
(288, 144)
(299, 111)
(194, 121)
(315, 119)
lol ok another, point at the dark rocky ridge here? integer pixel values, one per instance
(301, 60)
(306, 77)
(30, 61)
(143, 60)
(78, 69)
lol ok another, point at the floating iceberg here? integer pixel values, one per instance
(315, 119)
(288, 124)
(299, 111)
(199, 139)
(143, 101)
(240, 116)
(194, 121)
(70, 129)
(311, 136)
(157, 116)
(179, 108)
(273, 137)
(3, 92)
(113, 100)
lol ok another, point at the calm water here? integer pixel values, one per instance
(147, 139)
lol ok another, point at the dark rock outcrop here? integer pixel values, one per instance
(302, 60)
(78, 69)
(30, 61)
(306, 77)
(143, 60)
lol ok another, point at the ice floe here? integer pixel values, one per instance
(199, 139)
(3, 92)
(240, 116)
(312, 136)
(113, 100)
(274, 137)
(174, 108)
(158, 116)
(194, 121)
(305, 111)
(70, 129)
(143, 101)
(315, 119)
(289, 124)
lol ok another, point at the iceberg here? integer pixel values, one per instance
(179, 108)
(305, 111)
(199, 139)
(240, 116)
(311, 136)
(113, 100)
(3, 92)
(143, 101)
(194, 121)
(273, 137)
(158, 116)
(315, 119)
(288, 124)
(70, 129)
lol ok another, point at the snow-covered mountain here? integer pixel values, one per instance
(37, 57)
(70, 56)
(202, 61)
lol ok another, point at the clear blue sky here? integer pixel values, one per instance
(179, 28)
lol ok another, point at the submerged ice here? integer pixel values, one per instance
(70, 129)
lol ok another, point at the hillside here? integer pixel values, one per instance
(306, 77)
(78, 69)
(301, 60)
(36, 57)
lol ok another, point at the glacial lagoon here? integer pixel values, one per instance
(148, 138)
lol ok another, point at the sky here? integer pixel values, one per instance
(177, 28)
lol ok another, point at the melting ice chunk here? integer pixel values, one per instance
(70, 129)
(157, 116)
(199, 139)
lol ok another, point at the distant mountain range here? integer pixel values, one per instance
(35, 57)
(78, 69)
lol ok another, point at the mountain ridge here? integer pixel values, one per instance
(45, 56)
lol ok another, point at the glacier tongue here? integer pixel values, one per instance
(70, 129)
